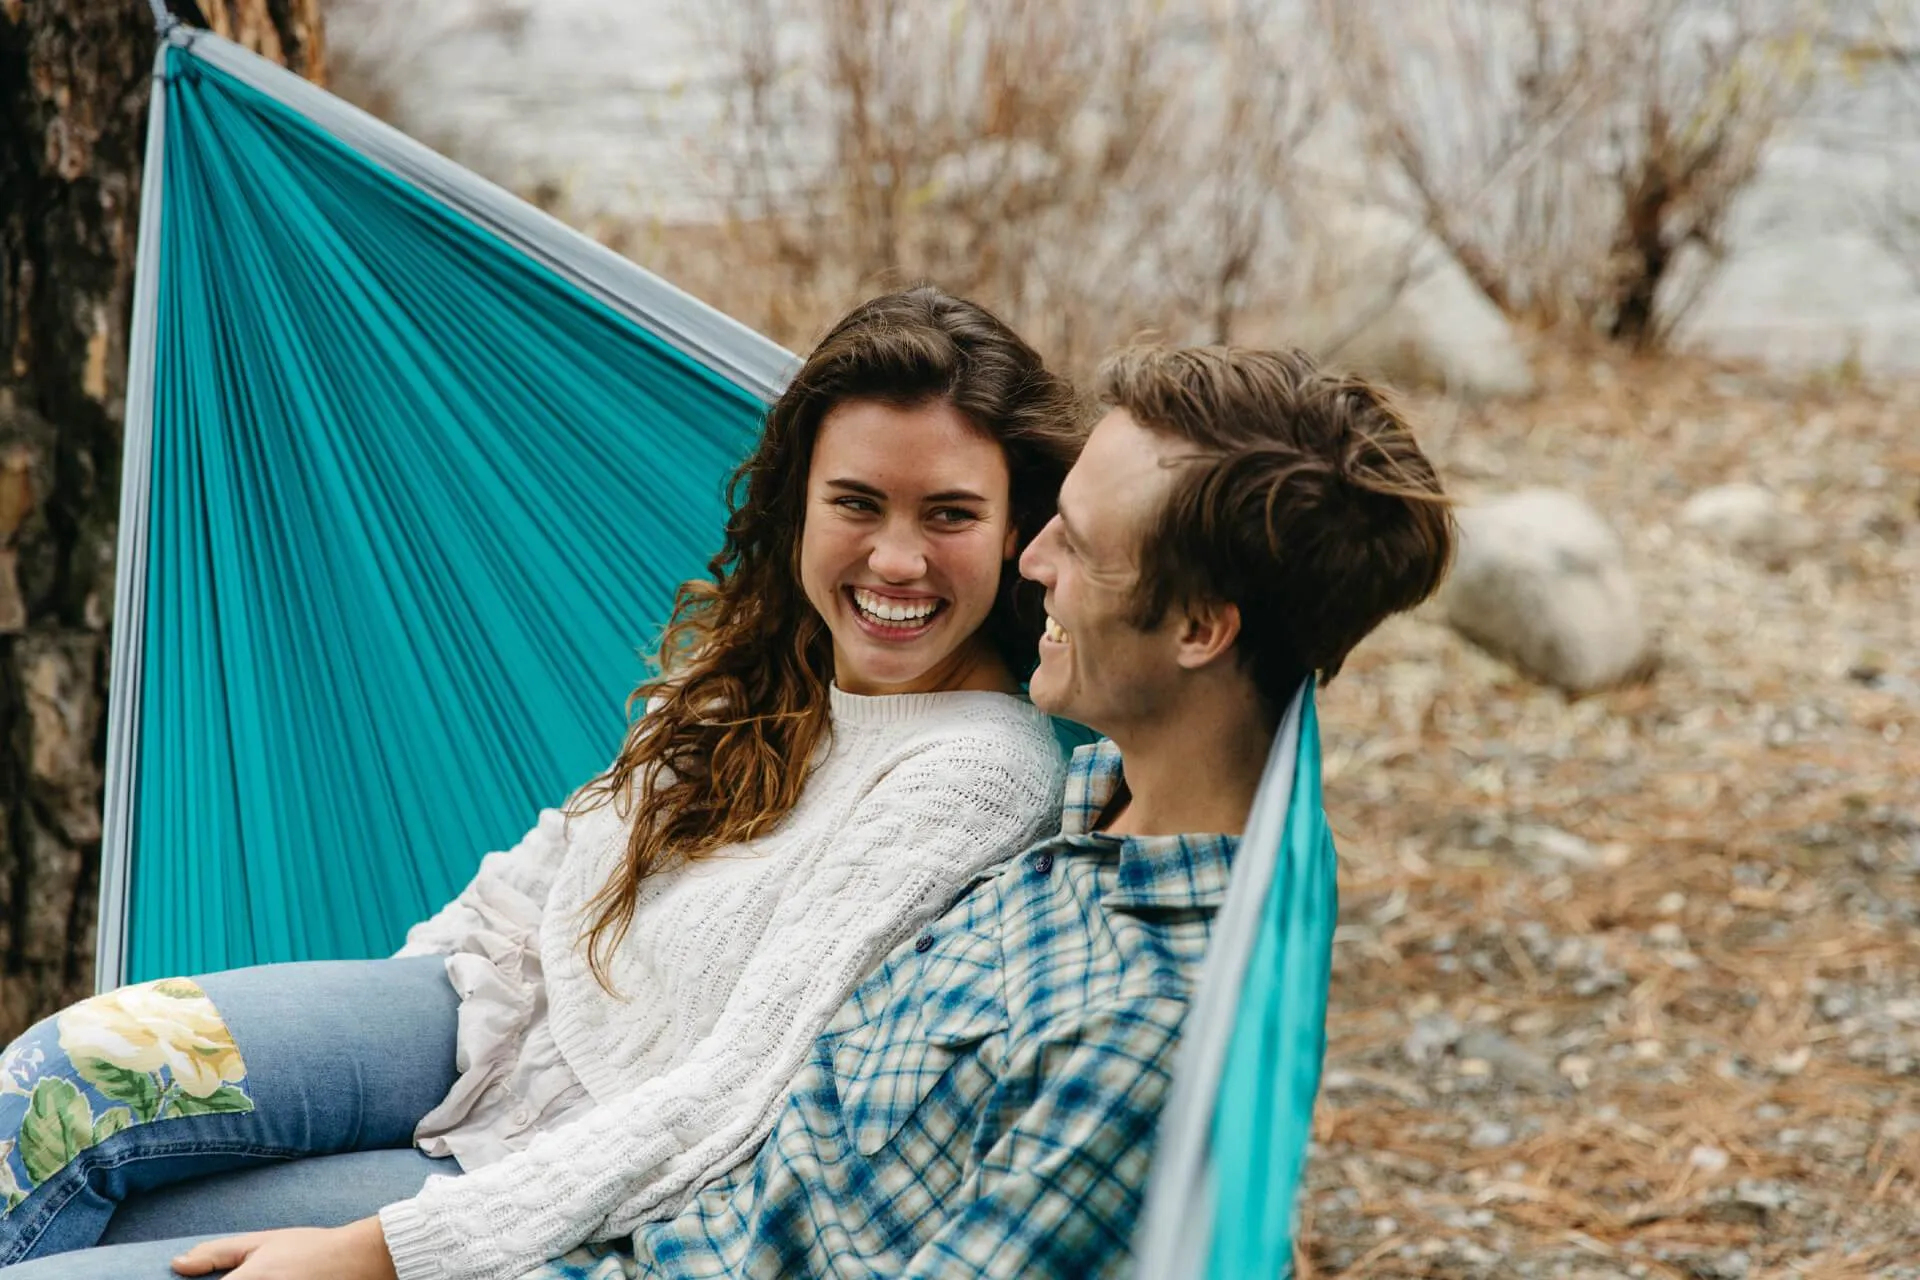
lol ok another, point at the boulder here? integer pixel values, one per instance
(1541, 581)
(1749, 521)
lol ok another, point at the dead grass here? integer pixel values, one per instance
(1626, 986)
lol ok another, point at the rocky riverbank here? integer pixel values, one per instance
(1625, 985)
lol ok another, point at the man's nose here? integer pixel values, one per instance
(1036, 562)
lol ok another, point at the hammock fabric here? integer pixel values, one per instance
(415, 501)
(412, 471)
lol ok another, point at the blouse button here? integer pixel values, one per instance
(521, 1116)
(924, 943)
(1044, 863)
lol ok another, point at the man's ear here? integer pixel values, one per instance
(1209, 631)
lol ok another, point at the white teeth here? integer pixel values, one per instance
(1056, 632)
(882, 609)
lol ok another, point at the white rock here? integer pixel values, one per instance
(1750, 520)
(1711, 1159)
(1490, 1133)
(1541, 581)
(1550, 844)
(1379, 295)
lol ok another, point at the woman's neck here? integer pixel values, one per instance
(984, 672)
(972, 668)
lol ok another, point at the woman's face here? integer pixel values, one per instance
(907, 526)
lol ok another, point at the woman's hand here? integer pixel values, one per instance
(357, 1251)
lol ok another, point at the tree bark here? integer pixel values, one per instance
(74, 79)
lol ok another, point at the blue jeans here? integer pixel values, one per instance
(208, 1102)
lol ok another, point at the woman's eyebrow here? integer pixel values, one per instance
(866, 490)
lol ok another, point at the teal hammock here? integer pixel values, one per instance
(412, 472)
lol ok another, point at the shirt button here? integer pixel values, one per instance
(521, 1116)
(924, 943)
(1043, 864)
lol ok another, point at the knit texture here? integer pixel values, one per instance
(732, 966)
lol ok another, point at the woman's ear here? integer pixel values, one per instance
(1012, 548)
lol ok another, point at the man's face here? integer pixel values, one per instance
(1096, 666)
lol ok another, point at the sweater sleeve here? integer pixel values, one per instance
(921, 833)
(528, 869)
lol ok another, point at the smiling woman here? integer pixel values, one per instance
(913, 399)
(595, 1025)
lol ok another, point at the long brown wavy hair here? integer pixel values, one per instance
(720, 749)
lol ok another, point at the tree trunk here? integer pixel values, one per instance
(74, 77)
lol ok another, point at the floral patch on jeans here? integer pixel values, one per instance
(155, 1051)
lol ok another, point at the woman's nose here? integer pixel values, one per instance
(898, 555)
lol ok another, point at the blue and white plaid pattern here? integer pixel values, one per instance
(985, 1103)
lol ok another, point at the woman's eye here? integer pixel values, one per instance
(864, 506)
(954, 515)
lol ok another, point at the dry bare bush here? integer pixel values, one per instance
(1574, 154)
(1092, 168)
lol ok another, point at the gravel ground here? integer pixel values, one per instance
(1626, 985)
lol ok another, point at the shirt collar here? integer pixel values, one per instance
(1180, 872)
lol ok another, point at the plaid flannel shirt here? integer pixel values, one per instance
(984, 1104)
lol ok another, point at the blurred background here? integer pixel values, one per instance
(1627, 980)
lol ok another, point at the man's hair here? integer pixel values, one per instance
(1304, 501)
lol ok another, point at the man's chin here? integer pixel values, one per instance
(1048, 697)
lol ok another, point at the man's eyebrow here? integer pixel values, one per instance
(1066, 523)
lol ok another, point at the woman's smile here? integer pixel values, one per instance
(893, 617)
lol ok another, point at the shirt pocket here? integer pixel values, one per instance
(923, 1083)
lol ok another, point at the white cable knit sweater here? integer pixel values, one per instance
(731, 968)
